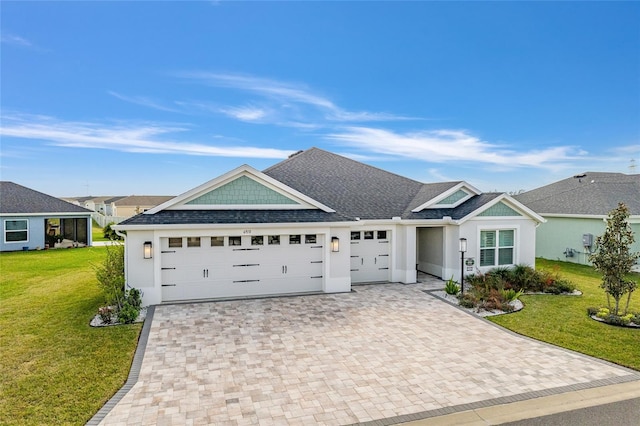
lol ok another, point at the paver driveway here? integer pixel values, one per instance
(379, 352)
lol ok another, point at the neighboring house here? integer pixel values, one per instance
(29, 219)
(136, 204)
(576, 210)
(318, 222)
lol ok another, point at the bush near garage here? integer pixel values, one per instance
(498, 288)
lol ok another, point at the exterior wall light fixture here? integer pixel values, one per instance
(147, 250)
(335, 244)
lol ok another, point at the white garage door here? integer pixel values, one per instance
(235, 266)
(369, 256)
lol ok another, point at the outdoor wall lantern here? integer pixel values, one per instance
(147, 250)
(463, 249)
(335, 244)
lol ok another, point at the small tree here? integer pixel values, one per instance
(614, 259)
(110, 276)
(110, 233)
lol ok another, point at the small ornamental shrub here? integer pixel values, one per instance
(451, 287)
(127, 314)
(134, 298)
(510, 295)
(592, 310)
(106, 314)
(507, 307)
(467, 300)
(110, 275)
(603, 313)
(618, 320)
(636, 318)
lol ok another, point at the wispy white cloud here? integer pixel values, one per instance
(246, 113)
(124, 137)
(283, 95)
(143, 101)
(15, 40)
(438, 146)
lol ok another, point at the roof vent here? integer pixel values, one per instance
(580, 176)
(296, 153)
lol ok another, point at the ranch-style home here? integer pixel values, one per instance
(576, 211)
(318, 222)
(32, 220)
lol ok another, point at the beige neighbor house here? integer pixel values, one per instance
(318, 222)
(136, 204)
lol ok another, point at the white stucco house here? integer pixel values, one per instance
(318, 222)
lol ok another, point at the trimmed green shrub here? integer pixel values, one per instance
(127, 314)
(134, 298)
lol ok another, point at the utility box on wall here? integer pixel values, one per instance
(587, 240)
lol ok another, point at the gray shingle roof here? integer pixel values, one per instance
(457, 213)
(16, 198)
(352, 189)
(589, 193)
(428, 192)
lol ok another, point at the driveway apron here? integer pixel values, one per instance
(387, 353)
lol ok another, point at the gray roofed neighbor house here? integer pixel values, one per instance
(589, 193)
(18, 199)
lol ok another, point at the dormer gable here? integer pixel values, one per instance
(243, 188)
(450, 198)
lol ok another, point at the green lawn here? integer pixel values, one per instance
(55, 368)
(96, 232)
(563, 320)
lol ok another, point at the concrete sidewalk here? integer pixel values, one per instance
(537, 407)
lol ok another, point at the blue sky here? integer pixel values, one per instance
(118, 98)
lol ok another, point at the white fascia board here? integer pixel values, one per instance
(177, 203)
(631, 219)
(87, 214)
(212, 226)
(434, 201)
(511, 202)
(575, 216)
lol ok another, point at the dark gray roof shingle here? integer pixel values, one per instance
(180, 217)
(350, 187)
(16, 198)
(353, 189)
(590, 193)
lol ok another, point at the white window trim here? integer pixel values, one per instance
(20, 230)
(516, 244)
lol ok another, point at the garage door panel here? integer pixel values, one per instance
(370, 256)
(243, 270)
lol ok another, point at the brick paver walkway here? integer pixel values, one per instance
(379, 352)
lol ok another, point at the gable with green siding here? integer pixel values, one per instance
(453, 198)
(241, 191)
(500, 209)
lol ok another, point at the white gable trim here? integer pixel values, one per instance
(433, 203)
(509, 201)
(179, 202)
